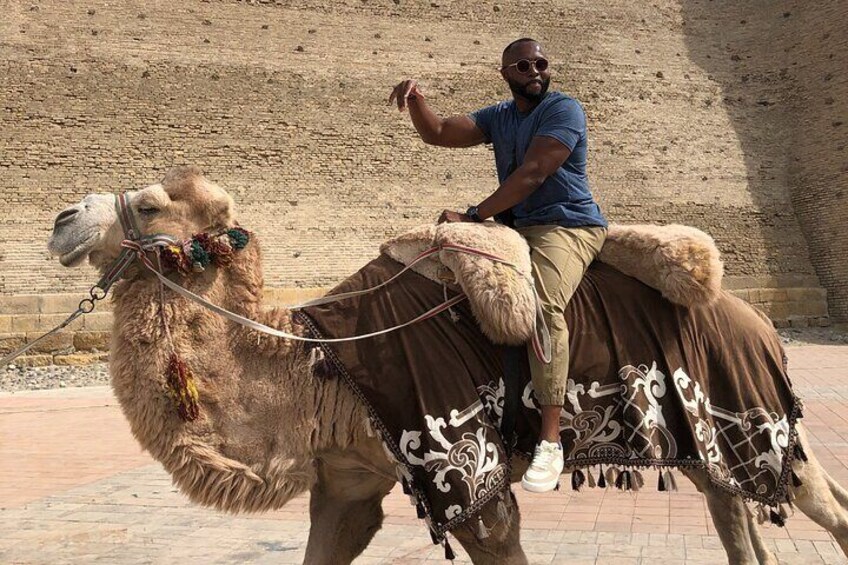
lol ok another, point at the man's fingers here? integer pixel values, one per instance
(402, 92)
(408, 90)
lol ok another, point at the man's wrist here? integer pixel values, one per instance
(473, 214)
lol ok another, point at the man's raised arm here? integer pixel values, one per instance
(456, 131)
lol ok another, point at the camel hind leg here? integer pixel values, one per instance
(737, 531)
(838, 492)
(820, 497)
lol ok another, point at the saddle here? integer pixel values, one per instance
(681, 262)
(651, 382)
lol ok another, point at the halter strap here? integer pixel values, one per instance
(126, 217)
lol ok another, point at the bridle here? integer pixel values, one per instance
(135, 246)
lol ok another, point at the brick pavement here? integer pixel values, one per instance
(75, 488)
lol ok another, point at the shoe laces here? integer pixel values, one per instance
(543, 455)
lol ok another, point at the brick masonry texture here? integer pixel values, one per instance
(715, 114)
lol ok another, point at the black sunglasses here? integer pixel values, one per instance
(523, 66)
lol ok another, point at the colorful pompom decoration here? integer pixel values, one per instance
(204, 249)
(174, 259)
(239, 236)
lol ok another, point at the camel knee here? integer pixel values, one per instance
(815, 498)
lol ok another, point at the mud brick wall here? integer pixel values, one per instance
(694, 116)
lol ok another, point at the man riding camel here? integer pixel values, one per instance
(540, 145)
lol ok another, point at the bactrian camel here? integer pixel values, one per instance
(270, 429)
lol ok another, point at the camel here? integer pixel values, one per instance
(270, 429)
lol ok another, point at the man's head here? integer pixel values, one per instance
(520, 68)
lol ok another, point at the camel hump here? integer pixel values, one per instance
(681, 262)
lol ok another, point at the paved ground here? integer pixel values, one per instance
(75, 488)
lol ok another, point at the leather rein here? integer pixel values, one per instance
(134, 246)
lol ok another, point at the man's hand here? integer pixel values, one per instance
(404, 91)
(449, 216)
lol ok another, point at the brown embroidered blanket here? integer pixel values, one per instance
(651, 384)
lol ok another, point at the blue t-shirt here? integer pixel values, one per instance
(564, 198)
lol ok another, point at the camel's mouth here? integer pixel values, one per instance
(78, 254)
(72, 254)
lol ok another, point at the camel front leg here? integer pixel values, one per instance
(763, 553)
(501, 544)
(345, 511)
(732, 522)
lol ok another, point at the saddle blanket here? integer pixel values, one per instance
(651, 383)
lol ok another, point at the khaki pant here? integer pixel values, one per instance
(559, 257)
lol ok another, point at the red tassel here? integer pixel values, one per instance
(182, 389)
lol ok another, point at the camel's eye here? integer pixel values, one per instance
(148, 210)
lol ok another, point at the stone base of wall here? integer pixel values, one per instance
(797, 302)
(23, 318)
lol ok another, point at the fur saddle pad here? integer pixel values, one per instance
(681, 262)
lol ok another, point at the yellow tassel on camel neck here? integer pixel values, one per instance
(182, 388)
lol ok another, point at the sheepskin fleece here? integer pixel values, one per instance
(501, 296)
(681, 262)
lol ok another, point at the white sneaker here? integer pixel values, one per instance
(543, 473)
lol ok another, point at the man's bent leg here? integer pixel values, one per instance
(560, 257)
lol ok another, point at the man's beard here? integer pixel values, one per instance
(519, 89)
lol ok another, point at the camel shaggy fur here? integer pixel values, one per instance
(269, 429)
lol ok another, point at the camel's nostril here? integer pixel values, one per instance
(65, 215)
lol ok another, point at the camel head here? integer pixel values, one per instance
(182, 204)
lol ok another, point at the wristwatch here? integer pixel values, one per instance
(473, 214)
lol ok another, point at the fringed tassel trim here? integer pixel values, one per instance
(670, 481)
(622, 479)
(577, 479)
(449, 554)
(482, 531)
